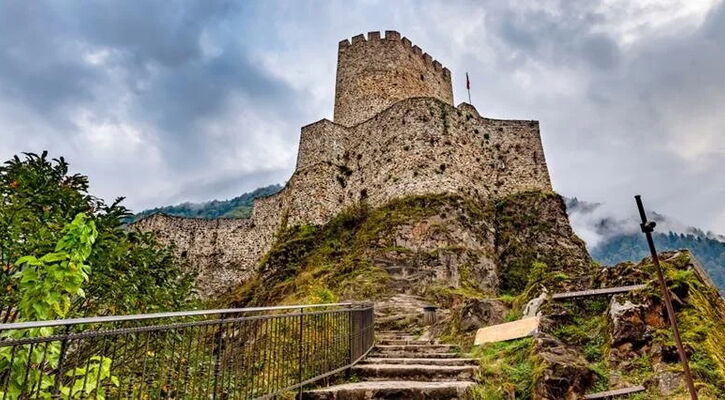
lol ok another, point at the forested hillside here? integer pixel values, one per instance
(633, 247)
(238, 207)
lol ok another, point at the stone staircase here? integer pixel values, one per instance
(403, 367)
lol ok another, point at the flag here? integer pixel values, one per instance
(468, 82)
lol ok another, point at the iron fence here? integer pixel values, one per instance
(252, 353)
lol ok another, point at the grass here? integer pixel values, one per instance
(507, 370)
(334, 261)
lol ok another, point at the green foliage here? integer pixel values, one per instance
(47, 287)
(633, 247)
(238, 207)
(131, 272)
(507, 370)
(49, 283)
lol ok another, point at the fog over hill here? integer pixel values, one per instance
(612, 238)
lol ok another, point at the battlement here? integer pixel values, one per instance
(394, 35)
(377, 71)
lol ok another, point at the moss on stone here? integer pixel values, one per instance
(532, 229)
(338, 257)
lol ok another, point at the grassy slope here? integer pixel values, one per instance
(534, 248)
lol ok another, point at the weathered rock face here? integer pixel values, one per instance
(628, 337)
(633, 325)
(534, 228)
(477, 313)
(564, 373)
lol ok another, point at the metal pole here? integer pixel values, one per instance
(648, 227)
(301, 372)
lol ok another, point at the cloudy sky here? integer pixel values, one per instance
(169, 101)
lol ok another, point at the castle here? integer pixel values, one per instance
(395, 133)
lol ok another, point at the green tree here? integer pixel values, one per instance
(132, 273)
(47, 287)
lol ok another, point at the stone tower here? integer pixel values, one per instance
(376, 73)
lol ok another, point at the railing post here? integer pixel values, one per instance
(55, 394)
(351, 334)
(301, 352)
(217, 357)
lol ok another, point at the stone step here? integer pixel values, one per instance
(422, 361)
(415, 348)
(386, 342)
(396, 337)
(407, 354)
(415, 372)
(391, 390)
(380, 340)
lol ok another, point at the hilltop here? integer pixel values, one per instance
(405, 199)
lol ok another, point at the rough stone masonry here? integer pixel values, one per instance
(395, 133)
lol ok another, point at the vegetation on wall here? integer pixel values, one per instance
(316, 263)
(132, 274)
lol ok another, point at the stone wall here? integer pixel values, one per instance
(417, 146)
(222, 251)
(375, 73)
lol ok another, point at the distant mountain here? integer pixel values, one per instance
(633, 247)
(238, 207)
(612, 240)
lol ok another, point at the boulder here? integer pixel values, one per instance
(477, 313)
(532, 307)
(565, 374)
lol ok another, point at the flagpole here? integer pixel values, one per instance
(468, 88)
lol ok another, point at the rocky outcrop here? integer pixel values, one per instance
(627, 336)
(477, 313)
(564, 373)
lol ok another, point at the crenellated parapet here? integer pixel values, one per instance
(375, 72)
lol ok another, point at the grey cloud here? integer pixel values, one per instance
(557, 38)
(617, 118)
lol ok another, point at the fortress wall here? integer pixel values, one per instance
(373, 73)
(417, 146)
(315, 194)
(222, 251)
(320, 142)
(422, 146)
(522, 165)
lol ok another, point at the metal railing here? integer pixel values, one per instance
(247, 353)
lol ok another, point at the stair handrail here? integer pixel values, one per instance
(247, 353)
(171, 314)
